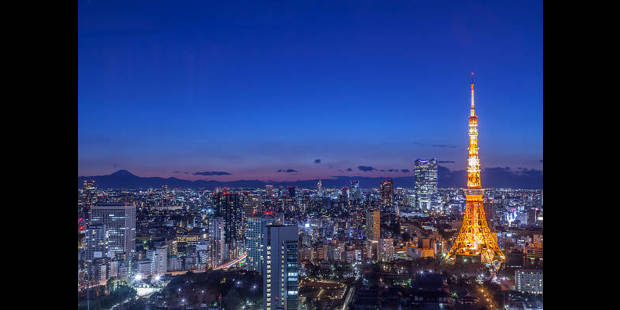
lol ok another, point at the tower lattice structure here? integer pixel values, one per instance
(475, 238)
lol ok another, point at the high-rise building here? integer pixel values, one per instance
(386, 249)
(96, 242)
(280, 267)
(120, 224)
(373, 225)
(228, 206)
(529, 281)
(217, 250)
(426, 193)
(254, 235)
(356, 194)
(387, 194)
(159, 259)
(319, 186)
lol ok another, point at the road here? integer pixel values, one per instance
(348, 299)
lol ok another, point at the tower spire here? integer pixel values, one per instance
(473, 111)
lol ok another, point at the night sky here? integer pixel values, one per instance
(243, 90)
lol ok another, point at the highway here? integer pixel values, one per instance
(348, 299)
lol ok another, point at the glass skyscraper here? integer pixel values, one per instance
(426, 193)
(254, 235)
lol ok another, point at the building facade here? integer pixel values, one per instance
(120, 225)
(373, 225)
(280, 267)
(387, 194)
(254, 235)
(529, 281)
(426, 193)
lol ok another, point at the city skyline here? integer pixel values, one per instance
(276, 94)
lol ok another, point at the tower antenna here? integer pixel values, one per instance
(473, 112)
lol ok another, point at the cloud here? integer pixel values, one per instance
(317, 161)
(366, 168)
(404, 170)
(349, 169)
(287, 171)
(445, 162)
(211, 173)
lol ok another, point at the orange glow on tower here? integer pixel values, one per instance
(475, 239)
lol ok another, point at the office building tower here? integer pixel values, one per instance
(144, 267)
(228, 206)
(426, 193)
(534, 255)
(120, 224)
(254, 235)
(373, 225)
(159, 259)
(529, 281)
(217, 250)
(319, 186)
(96, 242)
(292, 192)
(356, 193)
(387, 194)
(386, 250)
(291, 201)
(280, 267)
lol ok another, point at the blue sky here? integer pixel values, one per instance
(168, 88)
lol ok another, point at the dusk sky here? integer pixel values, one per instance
(170, 88)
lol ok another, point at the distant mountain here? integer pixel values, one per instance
(491, 178)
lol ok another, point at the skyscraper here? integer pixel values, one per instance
(373, 225)
(159, 259)
(228, 206)
(387, 194)
(217, 250)
(280, 267)
(426, 193)
(356, 194)
(96, 242)
(120, 225)
(254, 235)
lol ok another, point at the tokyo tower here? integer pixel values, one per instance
(475, 242)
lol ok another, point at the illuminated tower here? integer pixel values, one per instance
(475, 240)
